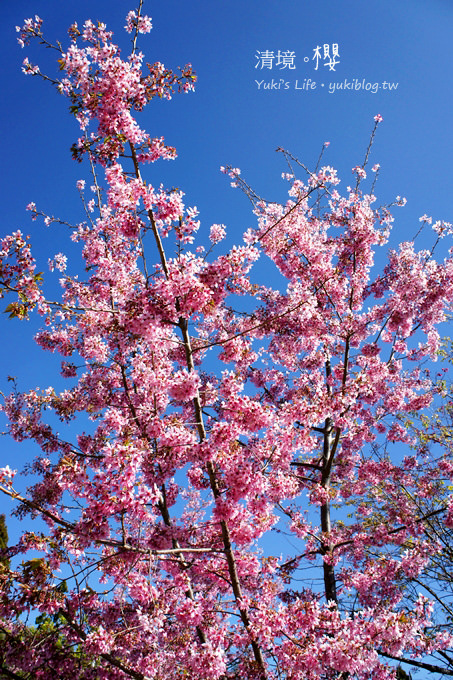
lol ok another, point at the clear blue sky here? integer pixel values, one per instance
(230, 120)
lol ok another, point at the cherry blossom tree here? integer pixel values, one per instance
(433, 431)
(206, 428)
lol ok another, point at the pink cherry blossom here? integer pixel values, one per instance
(206, 414)
(217, 233)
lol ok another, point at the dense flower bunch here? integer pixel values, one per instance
(152, 565)
(106, 89)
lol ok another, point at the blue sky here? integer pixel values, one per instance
(232, 120)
